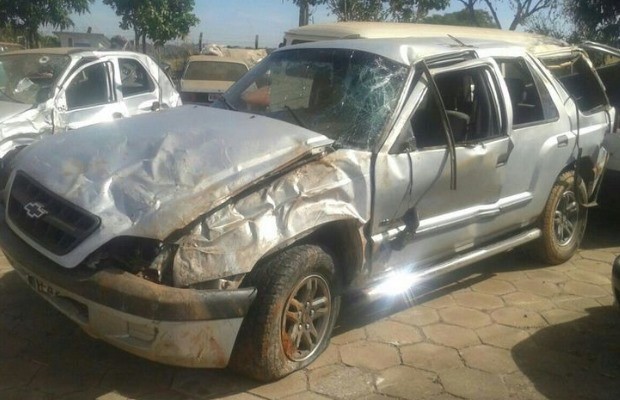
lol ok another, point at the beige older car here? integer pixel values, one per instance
(206, 77)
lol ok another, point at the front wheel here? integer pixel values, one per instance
(563, 221)
(290, 322)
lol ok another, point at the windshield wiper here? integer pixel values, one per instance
(297, 119)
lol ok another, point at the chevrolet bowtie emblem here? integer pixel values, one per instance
(35, 210)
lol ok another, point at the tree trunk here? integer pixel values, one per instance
(304, 13)
(136, 39)
(144, 43)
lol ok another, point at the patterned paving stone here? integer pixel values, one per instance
(559, 316)
(341, 382)
(494, 287)
(465, 317)
(330, 356)
(393, 332)
(292, 384)
(472, 384)
(431, 357)
(501, 336)
(547, 275)
(489, 359)
(479, 301)
(350, 336)
(417, 316)
(585, 289)
(528, 301)
(538, 287)
(370, 355)
(451, 335)
(518, 317)
(590, 277)
(408, 383)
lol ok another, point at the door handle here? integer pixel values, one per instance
(562, 141)
(117, 115)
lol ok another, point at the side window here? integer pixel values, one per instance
(134, 78)
(470, 104)
(92, 86)
(579, 80)
(608, 68)
(426, 123)
(531, 101)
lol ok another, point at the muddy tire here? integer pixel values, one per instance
(563, 221)
(291, 320)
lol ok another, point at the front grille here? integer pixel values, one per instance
(49, 220)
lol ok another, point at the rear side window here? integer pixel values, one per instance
(135, 80)
(530, 99)
(579, 80)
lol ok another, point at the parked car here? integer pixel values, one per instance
(46, 91)
(227, 235)
(205, 78)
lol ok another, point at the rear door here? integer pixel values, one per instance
(139, 90)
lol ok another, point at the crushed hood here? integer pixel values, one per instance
(9, 109)
(151, 175)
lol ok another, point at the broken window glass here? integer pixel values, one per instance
(346, 95)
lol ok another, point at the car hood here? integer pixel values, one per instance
(151, 175)
(9, 109)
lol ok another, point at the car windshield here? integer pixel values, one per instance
(214, 71)
(346, 95)
(30, 78)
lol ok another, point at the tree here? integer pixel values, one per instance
(160, 20)
(27, 16)
(523, 9)
(380, 10)
(481, 18)
(304, 9)
(596, 19)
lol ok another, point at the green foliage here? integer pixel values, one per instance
(480, 18)
(159, 20)
(597, 20)
(26, 16)
(381, 10)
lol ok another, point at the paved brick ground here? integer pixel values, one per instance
(507, 328)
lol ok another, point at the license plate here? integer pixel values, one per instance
(42, 287)
(214, 96)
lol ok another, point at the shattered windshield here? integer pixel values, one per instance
(214, 71)
(346, 95)
(30, 78)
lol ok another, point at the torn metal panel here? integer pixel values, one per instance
(231, 240)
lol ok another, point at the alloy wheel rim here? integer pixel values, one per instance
(566, 218)
(306, 318)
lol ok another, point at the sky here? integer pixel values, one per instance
(227, 22)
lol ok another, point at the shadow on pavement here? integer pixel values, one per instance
(603, 228)
(578, 359)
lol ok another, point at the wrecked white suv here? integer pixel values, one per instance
(227, 236)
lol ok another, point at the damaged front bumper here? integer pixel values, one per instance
(184, 327)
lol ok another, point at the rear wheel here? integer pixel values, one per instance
(290, 322)
(563, 221)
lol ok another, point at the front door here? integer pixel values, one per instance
(88, 97)
(413, 172)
